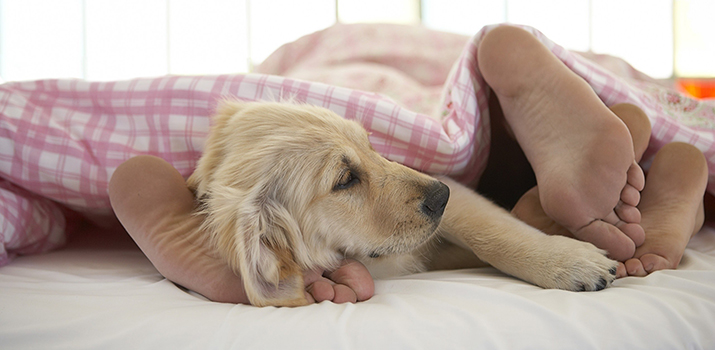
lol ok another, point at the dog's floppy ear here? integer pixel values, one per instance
(255, 235)
(252, 230)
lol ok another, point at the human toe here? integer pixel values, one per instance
(628, 213)
(321, 290)
(356, 277)
(653, 262)
(608, 237)
(344, 294)
(634, 267)
(635, 176)
(630, 195)
(634, 231)
(621, 270)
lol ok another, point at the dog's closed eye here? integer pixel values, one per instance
(346, 180)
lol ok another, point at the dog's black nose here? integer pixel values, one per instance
(436, 196)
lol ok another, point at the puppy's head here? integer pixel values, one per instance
(287, 188)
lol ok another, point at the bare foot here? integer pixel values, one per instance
(151, 200)
(672, 204)
(672, 208)
(638, 126)
(581, 153)
(529, 208)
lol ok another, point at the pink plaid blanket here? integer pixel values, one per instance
(418, 91)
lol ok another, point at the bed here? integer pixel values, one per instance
(91, 286)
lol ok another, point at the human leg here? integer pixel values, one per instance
(507, 175)
(580, 151)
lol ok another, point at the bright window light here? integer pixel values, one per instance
(208, 37)
(392, 11)
(124, 43)
(276, 22)
(566, 22)
(122, 39)
(694, 38)
(41, 39)
(639, 31)
(462, 16)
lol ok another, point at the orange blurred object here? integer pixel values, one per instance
(699, 88)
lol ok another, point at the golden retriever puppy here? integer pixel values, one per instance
(289, 187)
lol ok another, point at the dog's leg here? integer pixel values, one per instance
(520, 250)
(447, 255)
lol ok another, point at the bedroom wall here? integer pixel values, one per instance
(120, 39)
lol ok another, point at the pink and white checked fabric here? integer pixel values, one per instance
(60, 140)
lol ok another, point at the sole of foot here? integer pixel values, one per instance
(581, 153)
(672, 208)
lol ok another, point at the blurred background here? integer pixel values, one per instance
(121, 39)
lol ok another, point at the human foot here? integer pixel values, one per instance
(581, 152)
(151, 200)
(672, 208)
(529, 208)
(153, 204)
(672, 205)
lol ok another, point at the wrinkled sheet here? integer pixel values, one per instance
(420, 94)
(107, 295)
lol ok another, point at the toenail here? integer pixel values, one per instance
(649, 267)
(613, 270)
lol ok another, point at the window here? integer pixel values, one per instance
(120, 39)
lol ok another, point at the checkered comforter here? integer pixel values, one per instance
(418, 92)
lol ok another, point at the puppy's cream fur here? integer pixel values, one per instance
(289, 187)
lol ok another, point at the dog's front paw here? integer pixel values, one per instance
(574, 265)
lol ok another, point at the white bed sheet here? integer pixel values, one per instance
(102, 293)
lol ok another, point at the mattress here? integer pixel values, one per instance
(100, 292)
